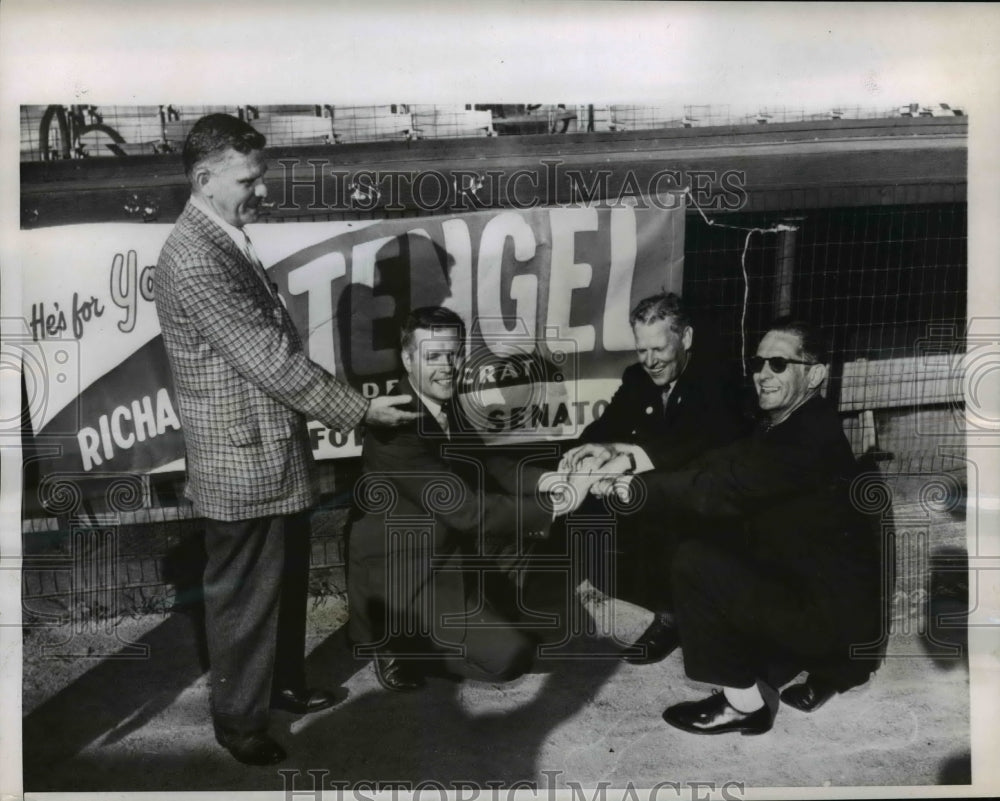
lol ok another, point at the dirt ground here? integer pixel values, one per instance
(139, 721)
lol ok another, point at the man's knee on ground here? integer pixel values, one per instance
(499, 654)
(519, 664)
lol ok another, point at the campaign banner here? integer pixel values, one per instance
(546, 293)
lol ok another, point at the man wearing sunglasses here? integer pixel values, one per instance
(805, 583)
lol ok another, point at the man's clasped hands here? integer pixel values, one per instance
(598, 469)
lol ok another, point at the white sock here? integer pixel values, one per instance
(748, 700)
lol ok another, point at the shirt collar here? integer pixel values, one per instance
(433, 406)
(236, 234)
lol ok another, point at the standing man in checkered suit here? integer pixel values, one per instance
(245, 388)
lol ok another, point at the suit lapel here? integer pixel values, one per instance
(685, 382)
(674, 399)
(237, 264)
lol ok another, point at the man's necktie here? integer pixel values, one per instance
(442, 420)
(665, 399)
(251, 255)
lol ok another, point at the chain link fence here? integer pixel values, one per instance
(86, 131)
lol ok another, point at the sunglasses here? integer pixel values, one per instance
(776, 363)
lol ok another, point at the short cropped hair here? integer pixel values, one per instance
(814, 346)
(663, 306)
(213, 134)
(429, 318)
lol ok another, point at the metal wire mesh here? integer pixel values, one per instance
(77, 131)
(887, 288)
(874, 279)
(146, 561)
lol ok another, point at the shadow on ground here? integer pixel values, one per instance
(111, 700)
(99, 733)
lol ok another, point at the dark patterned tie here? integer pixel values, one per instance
(665, 400)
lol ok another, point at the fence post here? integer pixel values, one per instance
(785, 269)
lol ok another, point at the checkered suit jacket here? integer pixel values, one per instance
(243, 383)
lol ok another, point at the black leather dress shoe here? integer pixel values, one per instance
(302, 700)
(250, 748)
(808, 696)
(396, 674)
(654, 644)
(714, 715)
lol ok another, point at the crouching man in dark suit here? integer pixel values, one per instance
(436, 508)
(681, 399)
(806, 583)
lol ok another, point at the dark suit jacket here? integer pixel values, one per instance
(243, 381)
(703, 413)
(463, 496)
(788, 487)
